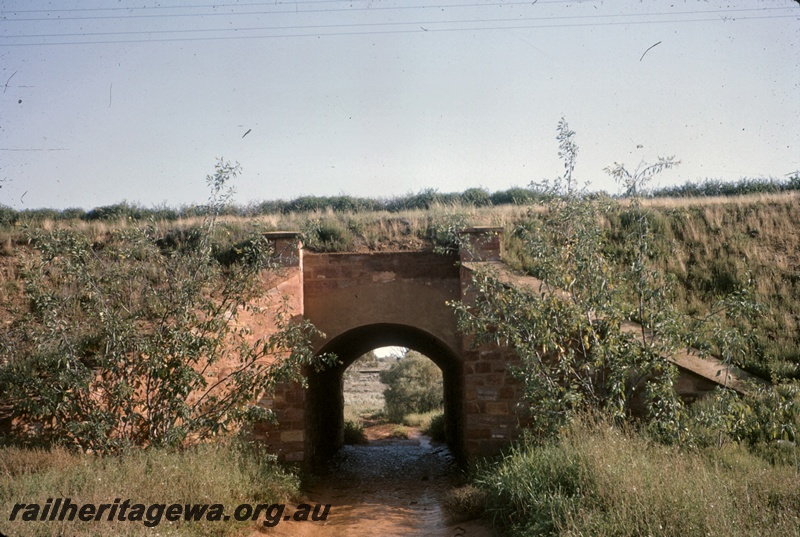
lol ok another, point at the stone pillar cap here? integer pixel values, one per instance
(481, 243)
(281, 234)
(482, 229)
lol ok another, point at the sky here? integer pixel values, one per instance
(108, 101)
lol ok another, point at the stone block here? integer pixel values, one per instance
(478, 434)
(295, 395)
(292, 436)
(483, 367)
(499, 366)
(498, 408)
(486, 393)
(472, 408)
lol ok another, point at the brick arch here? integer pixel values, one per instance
(325, 398)
(364, 301)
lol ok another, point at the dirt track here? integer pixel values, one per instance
(387, 487)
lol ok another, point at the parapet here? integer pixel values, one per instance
(481, 243)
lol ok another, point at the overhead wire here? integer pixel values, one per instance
(337, 10)
(296, 4)
(384, 32)
(419, 25)
(455, 21)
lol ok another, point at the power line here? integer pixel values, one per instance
(382, 32)
(254, 4)
(270, 12)
(33, 149)
(304, 11)
(360, 25)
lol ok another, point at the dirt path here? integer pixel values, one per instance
(387, 487)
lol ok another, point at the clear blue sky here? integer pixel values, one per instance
(108, 101)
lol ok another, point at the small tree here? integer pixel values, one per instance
(127, 344)
(414, 385)
(569, 333)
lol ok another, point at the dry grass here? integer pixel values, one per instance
(746, 199)
(208, 474)
(603, 480)
(646, 489)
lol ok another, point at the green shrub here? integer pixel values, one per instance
(8, 216)
(430, 423)
(38, 215)
(74, 213)
(424, 200)
(601, 479)
(515, 196)
(327, 235)
(716, 187)
(534, 488)
(122, 338)
(444, 231)
(420, 419)
(115, 212)
(414, 385)
(476, 197)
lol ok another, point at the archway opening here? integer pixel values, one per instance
(325, 398)
(393, 393)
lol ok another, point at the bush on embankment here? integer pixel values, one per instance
(126, 342)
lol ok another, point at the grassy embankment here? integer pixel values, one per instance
(712, 247)
(595, 480)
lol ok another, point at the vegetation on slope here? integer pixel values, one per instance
(710, 251)
(602, 264)
(134, 342)
(602, 479)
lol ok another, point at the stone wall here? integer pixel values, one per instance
(491, 400)
(283, 287)
(491, 394)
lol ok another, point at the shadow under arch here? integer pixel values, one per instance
(325, 395)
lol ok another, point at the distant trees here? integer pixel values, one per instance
(716, 187)
(423, 200)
